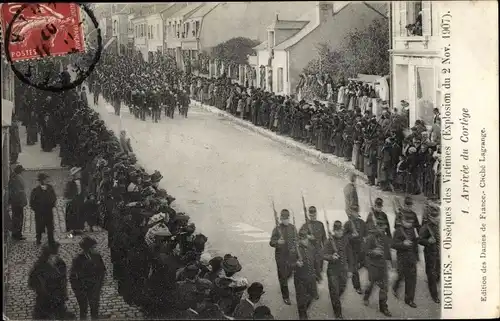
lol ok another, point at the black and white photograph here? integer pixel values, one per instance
(244, 160)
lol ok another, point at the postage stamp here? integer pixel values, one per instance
(35, 30)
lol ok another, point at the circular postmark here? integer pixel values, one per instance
(36, 20)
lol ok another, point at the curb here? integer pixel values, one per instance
(346, 167)
(289, 142)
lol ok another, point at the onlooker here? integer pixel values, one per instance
(17, 201)
(42, 200)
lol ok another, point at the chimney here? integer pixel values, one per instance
(324, 10)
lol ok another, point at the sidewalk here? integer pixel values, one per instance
(33, 158)
(345, 167)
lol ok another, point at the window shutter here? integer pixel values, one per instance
(426, 18)
(402, 19)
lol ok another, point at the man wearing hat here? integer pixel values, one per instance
(351, 193)
(405, 242)
(317, 239)
(87, 275)
(245, 309)
(378, 213)
(42, 200)
(73, 194)
(17, 200)
(377, 250)
(306, 289)
(335, 253)
(430, 238)
(355, 231)
(284, 240)
(408, 208)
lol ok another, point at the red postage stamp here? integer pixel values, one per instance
(42, 29)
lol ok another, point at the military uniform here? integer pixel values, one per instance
(429, 237)
(355, 231)
(406, 259)
(337, 269)
(285, 254)
(318, 232)
(304, 278)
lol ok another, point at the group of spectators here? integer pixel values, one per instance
(159, 258)
(374, 138)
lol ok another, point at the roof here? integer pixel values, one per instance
(167, 12)
(288, 24)
(312, 24)
(203, 10)
(186, 10)
(261, 46)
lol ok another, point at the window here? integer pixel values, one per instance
(136, 33)
(280, 80)
(425, 94)
(152, 32)
(411, 16)
(158, 30)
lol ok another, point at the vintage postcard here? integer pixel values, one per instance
(250, 160)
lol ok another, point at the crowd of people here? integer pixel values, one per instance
(159, 258)
(379, 146)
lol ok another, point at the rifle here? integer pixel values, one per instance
(305, 216)
(330, 235)
(276, 221)
(296, 241)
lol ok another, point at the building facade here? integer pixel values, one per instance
(165, 15)
(415, 57)
(154, 24)
(292, 44)
(140, 35)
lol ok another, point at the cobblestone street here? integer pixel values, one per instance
(19, 299)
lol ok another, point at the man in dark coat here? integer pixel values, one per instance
(47, 137)
(405, 241)
(75, 199)
(350, 193)
(304, 276)
(17, 200)
(429, 237)
(245, 309)
(377, 250)
(42, 200)
(336, 249)
(377, 211)
(284, 240)
(86, 277)
(317, 239)
(355, 230)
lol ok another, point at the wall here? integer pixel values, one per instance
(262, 58)
(279, 61)
(353, 16)
(247, 19)
(157, 41)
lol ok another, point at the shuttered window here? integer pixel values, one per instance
(426, 18)
(280, 80)
(402, 18)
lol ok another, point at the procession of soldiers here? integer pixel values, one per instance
(158, 257)
(353, 245)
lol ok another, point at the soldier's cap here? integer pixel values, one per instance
(203, 284)
(192, 268)
(354, 208)
(312, 209)
(284, 214)
(379, 202)
(337, 225)
(181, 217)
(216, 261)
(303, 233)
(408, 200)
(162, 231)
(42, 176)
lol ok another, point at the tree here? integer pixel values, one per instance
(361, 52)
(235, 50)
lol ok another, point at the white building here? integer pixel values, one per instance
(140, 35)
(154, 24)
(415, 57)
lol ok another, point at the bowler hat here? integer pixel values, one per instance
(256, 288)
(231, 265)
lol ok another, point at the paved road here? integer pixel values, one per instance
(19, 300)
(225, 176)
